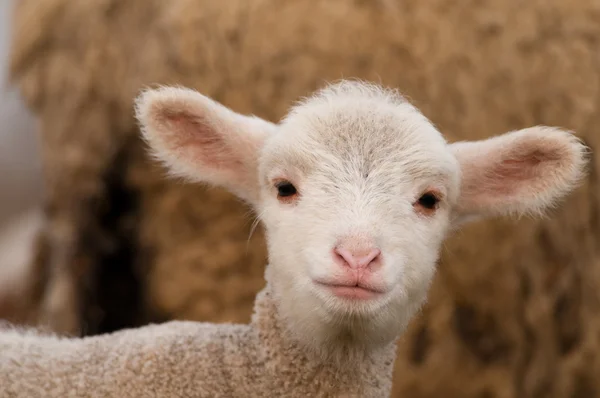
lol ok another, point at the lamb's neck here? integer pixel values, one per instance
(344, 373)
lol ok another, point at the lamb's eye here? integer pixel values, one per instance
(285, 189)
(428, 201)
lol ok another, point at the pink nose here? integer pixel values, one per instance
(357, 258)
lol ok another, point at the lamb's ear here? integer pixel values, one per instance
(521, 172)
(200, 139)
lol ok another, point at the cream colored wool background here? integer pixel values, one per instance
(514, 310)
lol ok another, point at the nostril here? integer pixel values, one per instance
(344, 257)
(369, 258)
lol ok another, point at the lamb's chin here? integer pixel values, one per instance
(342, 309)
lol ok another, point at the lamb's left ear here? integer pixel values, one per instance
(520, 172)
(202, 140)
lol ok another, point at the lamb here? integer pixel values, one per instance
(357, 191)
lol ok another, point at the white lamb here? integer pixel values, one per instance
(357, 190)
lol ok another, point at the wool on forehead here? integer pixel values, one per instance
(364, 122)
(357, 111)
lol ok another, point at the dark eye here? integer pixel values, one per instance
(428, 201)
(285, 189)
(427, 204)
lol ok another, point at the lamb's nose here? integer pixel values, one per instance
(357, 257)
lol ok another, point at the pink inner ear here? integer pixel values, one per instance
(494, 177)
(509, 173)
(194, 137)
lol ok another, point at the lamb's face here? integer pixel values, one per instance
(356, 198)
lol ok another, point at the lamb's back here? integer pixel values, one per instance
(173, 359)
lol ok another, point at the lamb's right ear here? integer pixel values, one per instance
(202, 140)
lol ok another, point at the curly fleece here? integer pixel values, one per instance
(185, 359)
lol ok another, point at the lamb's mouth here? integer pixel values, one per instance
(352, 292)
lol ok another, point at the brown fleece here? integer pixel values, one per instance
(187, 359)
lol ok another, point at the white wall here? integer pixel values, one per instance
(20, 180)
(20, 174)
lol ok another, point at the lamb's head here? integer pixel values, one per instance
(357, 190)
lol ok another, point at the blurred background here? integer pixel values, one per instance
(20, 180)
(94, 238)
(20, 169)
